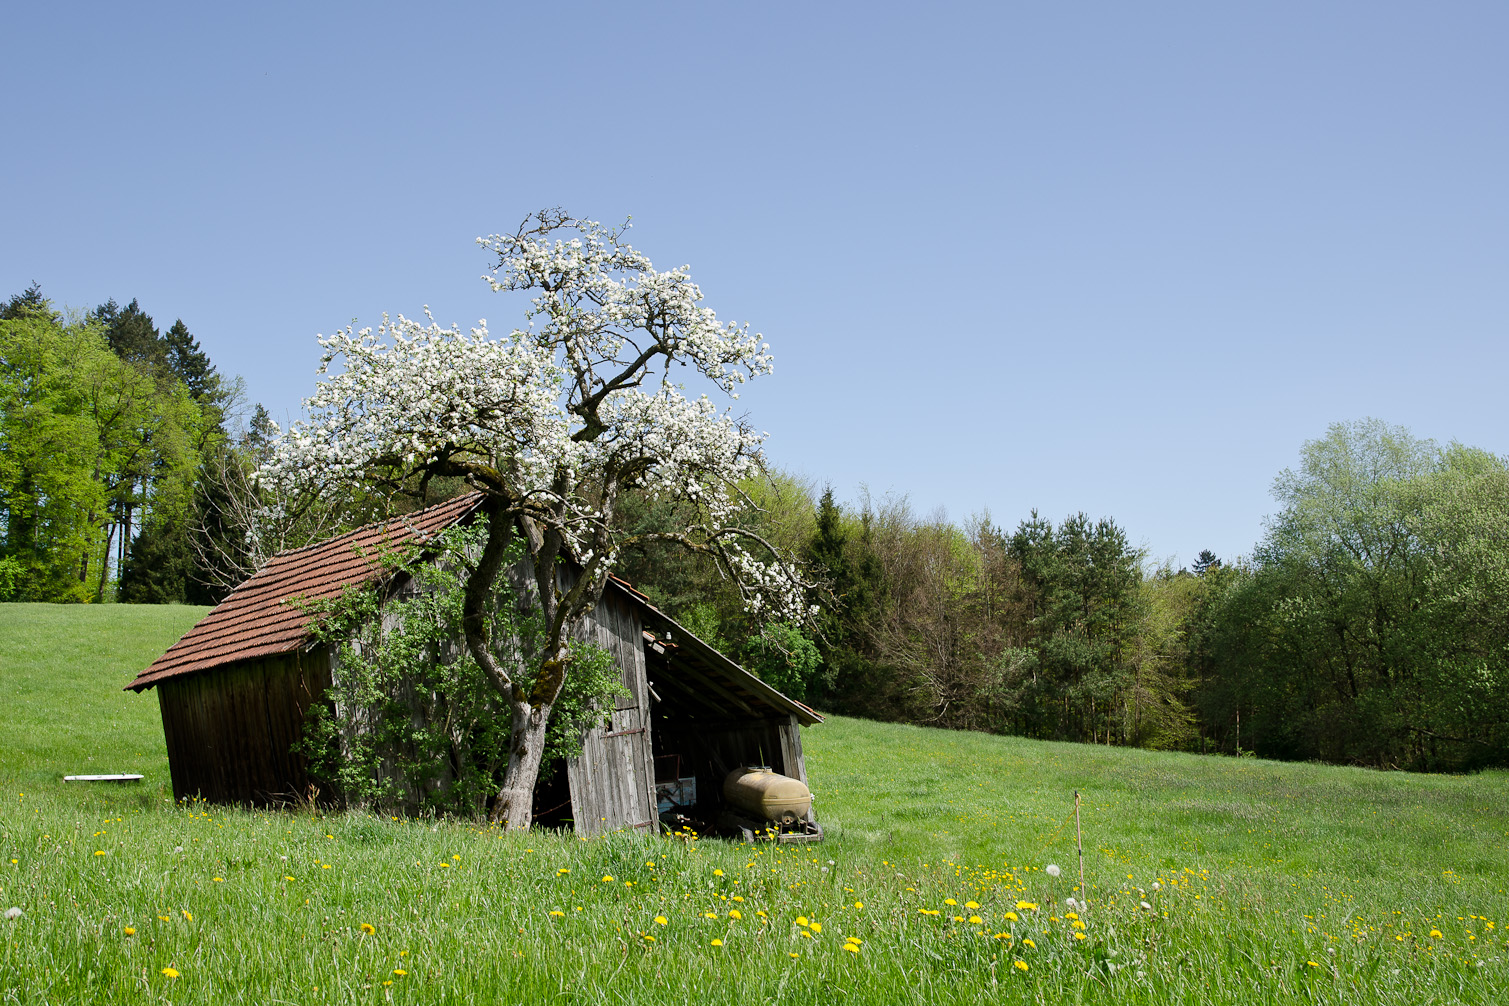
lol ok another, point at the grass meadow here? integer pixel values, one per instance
(1208, 880)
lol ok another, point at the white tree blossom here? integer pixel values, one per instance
(553, 422)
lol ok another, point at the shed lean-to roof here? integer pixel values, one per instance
(255, 620)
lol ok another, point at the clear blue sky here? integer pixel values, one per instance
(1119, 258)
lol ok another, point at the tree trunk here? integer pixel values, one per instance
(531, 706)
(515, 804)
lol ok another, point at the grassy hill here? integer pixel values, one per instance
(1263, 882)
(62, 670)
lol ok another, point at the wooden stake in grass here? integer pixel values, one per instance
(1079, 837)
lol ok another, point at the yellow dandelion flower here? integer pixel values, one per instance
(1435, 934)
(975, 920)
(736, 898)
(660, 920)
(369, 929)
(129, 931)
(607, 878)
(734, 913)
(816, 927)
(852, 948)
(1078, 924)
(1011, 916)
(1026, 906)
(562, 871)
(950, 902)
(807, 934)
(99, 852)
(853, 939)
(443, 866)
(1312, 964)
(164, 918)
(717, 873)
(859, 904)
(801, 920)
(1079, 936)
(649, 937)
(456, 858)
(187, 915)
(1021, 965)
(793, 954)
(558, 914)
(929, 911)
(170, 972)
(1027, 941)
(1071, 915)
(326, 866)
(217, 880)
(709, 915)
(971, 904)
(717, 943)
(400, 972)
(287, 877)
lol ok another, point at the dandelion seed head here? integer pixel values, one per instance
(1052, 870)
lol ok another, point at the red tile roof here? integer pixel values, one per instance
(255, 620)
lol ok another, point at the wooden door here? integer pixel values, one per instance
(613, 782)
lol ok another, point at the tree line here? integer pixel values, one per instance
(1366, 627)
(109, 429)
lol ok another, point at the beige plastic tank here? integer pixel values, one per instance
(766, 795)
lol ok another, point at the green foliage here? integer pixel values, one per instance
(1368, 630)
(412, 724)
(841, 552)
(702, 621)
(1081, 582)
(784, 658)
(99, 439)
(10, 576)
(160, 568)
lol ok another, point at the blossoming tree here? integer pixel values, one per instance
(553, 423)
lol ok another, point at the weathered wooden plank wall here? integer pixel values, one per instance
(230, 732)
(613, 781)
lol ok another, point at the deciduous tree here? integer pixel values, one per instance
(553, 422)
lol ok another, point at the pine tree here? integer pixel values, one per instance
(190, 364)
(1204, 561)
(28, 303)
(132, 335)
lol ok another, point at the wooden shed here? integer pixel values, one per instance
(235, 692)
